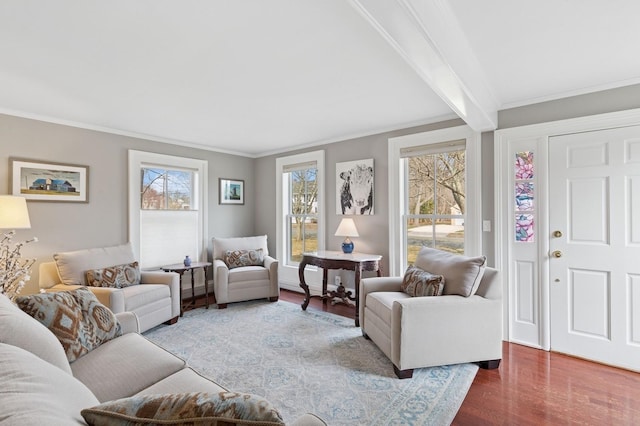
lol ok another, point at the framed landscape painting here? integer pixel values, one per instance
(46, 181)
(231, 191)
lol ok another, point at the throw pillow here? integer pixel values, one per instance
(238, 258)
(75, 317)
(462, 273)
(417, 283)
(197, 408)
(117, 276)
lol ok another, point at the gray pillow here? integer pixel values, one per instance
(462, 274)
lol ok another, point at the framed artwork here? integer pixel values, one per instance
(354, 187)
(46, 181)
(231, 191)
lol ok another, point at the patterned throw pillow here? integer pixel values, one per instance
(417, 282)
(75, 317)
(117, 276)
(238, 258)
(197, 408)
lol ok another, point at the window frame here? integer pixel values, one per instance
(397, 204)
(288, 274)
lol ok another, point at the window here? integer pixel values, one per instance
(437, 203)
(300, 203)
(434, 198)
(302, 211)
(167, 208)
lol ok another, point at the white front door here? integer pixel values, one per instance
(594, 246)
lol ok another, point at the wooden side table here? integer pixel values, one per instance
(180, 268)
(326, 260)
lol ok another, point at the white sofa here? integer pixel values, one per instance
(245, 282)
(416, 332)
(38, 386)
(155, 301)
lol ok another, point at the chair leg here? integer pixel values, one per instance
(490, 364)
(366, 336)
(403, 374)
(171, 321)
(273, 299)
(222, 306)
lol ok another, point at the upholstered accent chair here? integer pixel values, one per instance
(154, 296)
(463, 324)
(243, 270)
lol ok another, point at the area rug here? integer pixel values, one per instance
(311, 361)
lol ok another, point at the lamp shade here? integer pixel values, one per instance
(14, 213)
(347, 228)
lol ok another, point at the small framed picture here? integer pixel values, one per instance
(46, 181)
(231, 191)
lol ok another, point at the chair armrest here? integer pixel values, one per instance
(172, 279)
(272, 265)
(220, 281)
(128, 322)
(370, 285)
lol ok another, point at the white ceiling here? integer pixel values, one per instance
(255, 77)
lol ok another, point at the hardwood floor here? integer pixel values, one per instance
(534, 387)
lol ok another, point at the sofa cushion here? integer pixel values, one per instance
(248, 273)
(75, 317)
(417, 283)
(19, 329)
(142, 295)
(72, 265)
(239, 258)
(117, 276)
(228, 408)
(125, 366)
(462, 274)
(34, 392)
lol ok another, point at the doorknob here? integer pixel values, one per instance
(557, 234)
(556, 253)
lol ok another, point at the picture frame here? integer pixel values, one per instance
(231, 191)
(38, 180)
(354, 187)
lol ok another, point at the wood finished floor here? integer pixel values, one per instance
(534, 387)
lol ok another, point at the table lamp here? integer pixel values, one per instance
(347, 228)
(14, 213)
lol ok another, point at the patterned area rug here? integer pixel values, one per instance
(311, 362)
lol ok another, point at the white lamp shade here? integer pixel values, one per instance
(14, 213)
(347, 228)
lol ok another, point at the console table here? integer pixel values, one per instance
(180, 268)
(326, 260)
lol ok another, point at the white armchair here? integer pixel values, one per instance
(243, 270)
(416, 332)
(155, 300)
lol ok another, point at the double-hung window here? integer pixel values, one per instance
(437, 203)
(300, 204)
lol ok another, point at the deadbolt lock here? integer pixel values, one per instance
(556, 253)
(557, 234)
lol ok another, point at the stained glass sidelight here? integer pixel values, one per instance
(524, 197)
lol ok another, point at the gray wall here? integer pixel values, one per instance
(103, 221)
(619, 99)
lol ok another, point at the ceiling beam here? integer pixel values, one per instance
(429, 37)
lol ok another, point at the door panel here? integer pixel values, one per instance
(594, 192)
